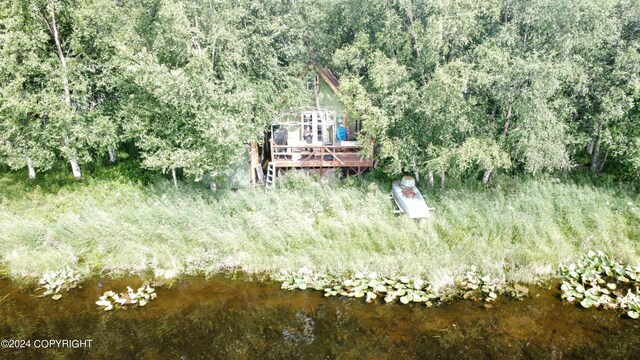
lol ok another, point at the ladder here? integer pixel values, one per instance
(270, 181)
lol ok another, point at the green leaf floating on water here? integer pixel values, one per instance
(587, 303)
(53, 282)
(371, 296)
(633, 314)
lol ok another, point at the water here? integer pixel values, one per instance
(221, 318)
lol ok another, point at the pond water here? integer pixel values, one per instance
(222, 318)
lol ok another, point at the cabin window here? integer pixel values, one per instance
(310, 83)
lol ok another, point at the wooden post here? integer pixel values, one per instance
(273, 150)
(346, 126)
(321, 161)
(252, 173)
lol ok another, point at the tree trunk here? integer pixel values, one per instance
(32, 170)
(213, 54)
(431, 178)
(112, 154)
(487, 176)
(316, 92)
(505, 130)
(415, 171)
(213, 186)
(604, 159)
(589, 147)
(442, 177)
(412, 30)
(195, 39)
(53, 28)
(175, 178)
(595, 155)
(493, 121)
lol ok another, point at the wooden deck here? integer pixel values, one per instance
(318, 156)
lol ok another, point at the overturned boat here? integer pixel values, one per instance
(409, 199)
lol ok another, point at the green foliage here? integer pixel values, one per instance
(54, 282)
(371, 287)
(461, 71)
(404, 289)
(111, 300)
(434, 83)
(480, 154)
(521, 228)
(599, 280)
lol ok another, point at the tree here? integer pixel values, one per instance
(26, 138)
(208, 83)
(65, 76)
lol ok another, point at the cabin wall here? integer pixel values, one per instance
(328, 99)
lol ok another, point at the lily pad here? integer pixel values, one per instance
(587, 303)
(371, 296)
(522, 289)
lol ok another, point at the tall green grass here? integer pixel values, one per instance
(522, 229)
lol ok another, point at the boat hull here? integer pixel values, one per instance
(409, 200)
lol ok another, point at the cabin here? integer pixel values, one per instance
(317, 136)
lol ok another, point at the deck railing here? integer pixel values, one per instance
(344, 155)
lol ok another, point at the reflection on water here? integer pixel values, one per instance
(221, 318)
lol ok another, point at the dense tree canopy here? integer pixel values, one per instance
(458, 86)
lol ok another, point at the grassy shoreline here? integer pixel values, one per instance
(519, 231)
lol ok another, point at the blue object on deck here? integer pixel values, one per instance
(341, 133)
